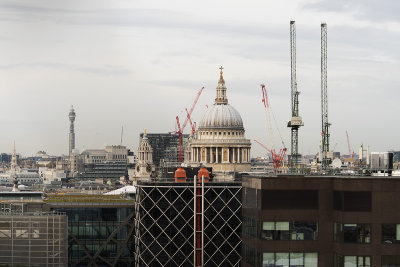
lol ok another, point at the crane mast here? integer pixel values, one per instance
(351, 154)
(324, 98)
(296, 121)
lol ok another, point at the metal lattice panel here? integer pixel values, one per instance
(164, 225)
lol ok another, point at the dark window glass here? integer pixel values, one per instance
(109, 214)
(338, 200)
(352, 201)
(391, 261)
(249, 226)
(357, 201)
(390, 233)
(250, 198)
(289, 199)
(352, 233)
(249, 255)
(304, 231)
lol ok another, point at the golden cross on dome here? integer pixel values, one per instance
(220, 74)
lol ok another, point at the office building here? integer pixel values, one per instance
(30, 236)
(100, 228)
(165, 147)
(321, 221)
(110, 163)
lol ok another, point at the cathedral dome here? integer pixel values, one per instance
(221, 117)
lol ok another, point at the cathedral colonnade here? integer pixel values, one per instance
(220, 154)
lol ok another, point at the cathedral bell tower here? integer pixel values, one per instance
(144, 166)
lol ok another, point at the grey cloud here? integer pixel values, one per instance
(372, 10)
(105, 70)
(146, 18)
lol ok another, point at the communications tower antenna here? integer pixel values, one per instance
(296, 121)
(324, 98)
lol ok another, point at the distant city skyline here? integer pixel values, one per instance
(140, 64)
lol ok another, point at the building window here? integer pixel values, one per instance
(290, 230)
(352, 232)
(391, 261)
(390, 233)
(249, 226)
(249, 255)
(352, 261)
(286, 259)
(289, 199)
(352, 201)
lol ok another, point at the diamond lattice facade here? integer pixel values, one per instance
(164, 224)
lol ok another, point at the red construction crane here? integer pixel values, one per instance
(276, 158)
(351, 154)
(192, 124)
(180, 129)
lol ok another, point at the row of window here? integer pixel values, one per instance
(352, 261)
(365, 261)
(289, 230)
(279, 259)
(310, 259)
(286, 259)
(300, 230)
(219, 133)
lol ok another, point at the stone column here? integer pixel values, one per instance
(229, 156)
(199, 154)
(235, 154)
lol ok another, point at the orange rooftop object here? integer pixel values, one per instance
(180, 175)
(203, 172)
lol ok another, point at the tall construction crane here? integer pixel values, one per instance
(351, 153)
(296, 121)
(324, 99)
(179, 130)
(277, 158)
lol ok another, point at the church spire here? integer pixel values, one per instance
(14, 162)
(221, 98)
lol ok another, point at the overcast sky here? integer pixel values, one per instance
(138, 64)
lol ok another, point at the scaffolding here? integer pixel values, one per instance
(33, 238)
